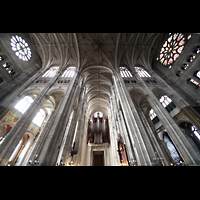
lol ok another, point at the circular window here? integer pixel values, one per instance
(172, 48)
(20, 47)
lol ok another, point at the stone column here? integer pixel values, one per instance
(131, 156)
(17, 132)
(67, 143)
(79, 131)
(113, 133)
(181, 103)
(83, 158)
(48, 153)
(182, 144)
(155, 141)
(144, 154)
(180, 141)
(124, 133)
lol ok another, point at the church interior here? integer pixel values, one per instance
(99, 99)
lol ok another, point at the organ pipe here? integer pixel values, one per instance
(98, 131)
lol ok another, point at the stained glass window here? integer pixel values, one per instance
(194, 82)
(195, 131)
(172, 48)
(20, 47)
(198, 74)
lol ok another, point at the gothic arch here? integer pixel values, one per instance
(55, 90)
(97, 81)
(137, 96)
(30, 92)
(186, 128)
(55, 95)
(158, 92)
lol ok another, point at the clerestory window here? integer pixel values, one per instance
(69, 72)
(51, 72)
(39, 118)
(20, 47)
(24, 104)
(152, 114)
(125, 72)
(141, 72)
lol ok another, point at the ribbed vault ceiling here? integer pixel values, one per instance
(96, 55)
(97, 81)
(97, 49)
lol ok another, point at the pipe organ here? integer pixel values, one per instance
(98, 131)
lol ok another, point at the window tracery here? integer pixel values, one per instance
(51, 72)
(197, 74)
(24, 104)
(172, 48)
(8, 68)
(141, 72)
(20, 47)
(165, 101)
(152, 114)
(195, 131)
(39, 118)
(69, 72)
(194, 82)
(125, 72)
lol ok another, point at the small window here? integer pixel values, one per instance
(167, 103)
(185, 66)
(153, 117)
(96, 114)
(179, 73)
(195, 131)
(197, 50)
(152, 114)
(194, 82)
(191, 58)
(197, 74)
(165, 100)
